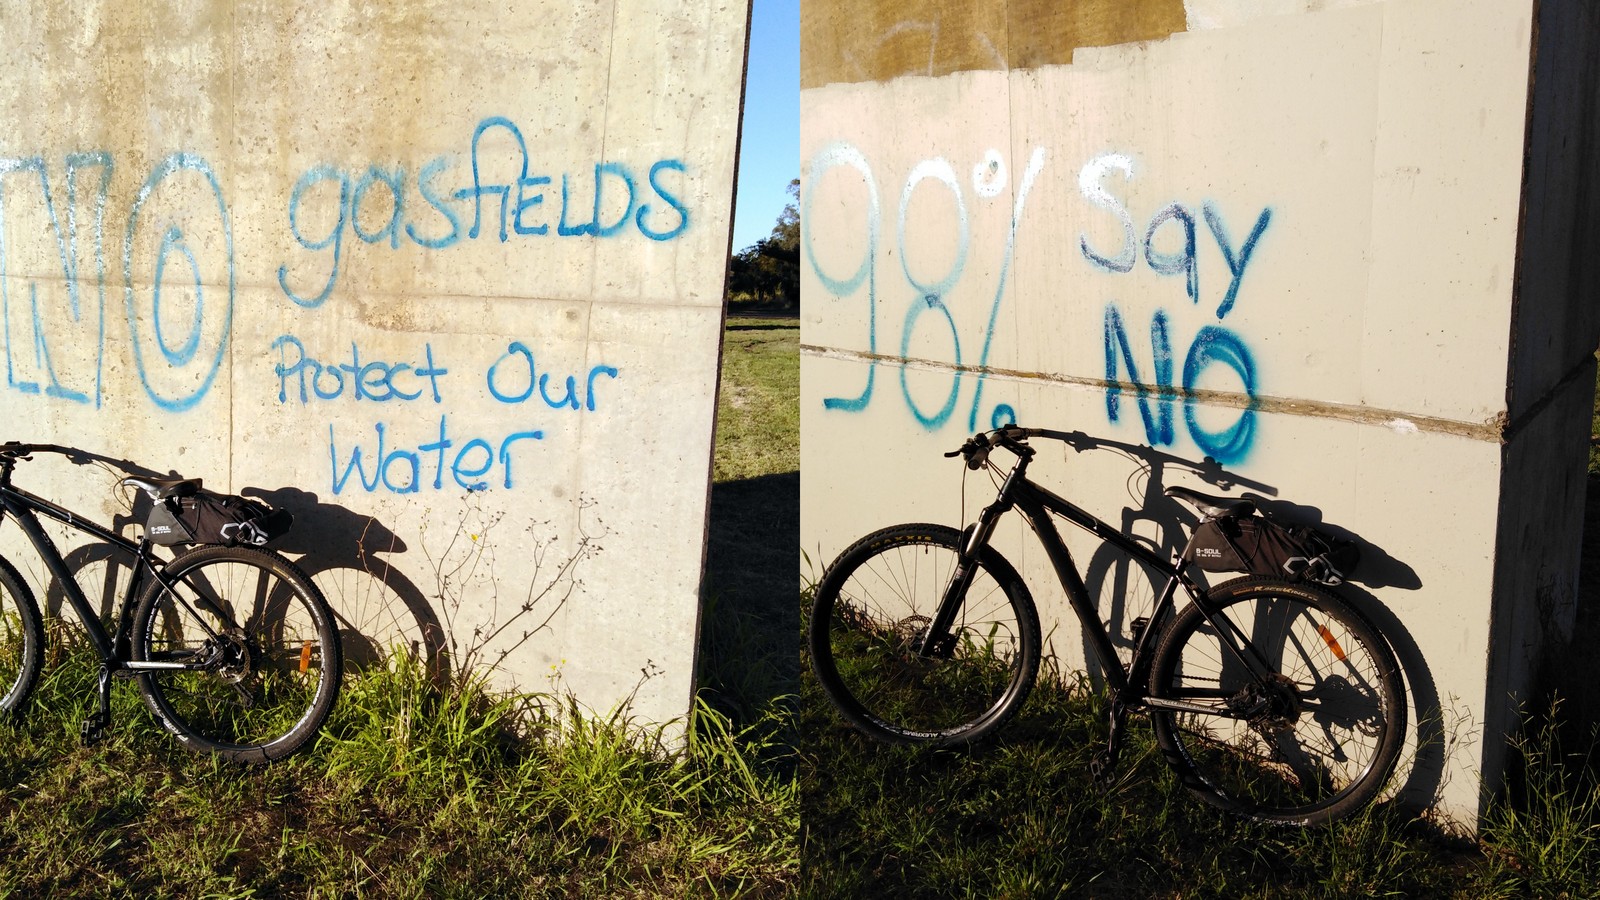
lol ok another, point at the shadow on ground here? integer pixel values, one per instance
(1574, 673)
(750, 626)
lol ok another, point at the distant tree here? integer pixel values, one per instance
(769, 269)
(786, 234)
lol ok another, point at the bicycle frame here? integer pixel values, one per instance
(1129, 684)
(112, 649)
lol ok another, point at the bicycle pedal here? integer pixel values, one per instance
(1100, 769)
(92, 732)
(1137, 627)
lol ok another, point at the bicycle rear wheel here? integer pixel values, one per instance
(1315, 740)
(260, 647)
(872, 610)
(21, 640)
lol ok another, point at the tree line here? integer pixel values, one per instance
(768, 271)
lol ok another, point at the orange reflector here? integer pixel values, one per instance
(1327, 638)
(305, 656)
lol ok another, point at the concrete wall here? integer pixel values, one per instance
(443, 278)
(1290, 244)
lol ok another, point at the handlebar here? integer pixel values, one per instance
(15, 451)
(1015, 438)
(1011, 437)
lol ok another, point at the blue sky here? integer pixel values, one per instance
(769, 155)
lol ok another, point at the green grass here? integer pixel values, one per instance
(1019, 816)
(750, 625)
(1594, 435)
(411, 791)
(758, 412)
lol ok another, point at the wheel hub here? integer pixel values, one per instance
(1272, 705)
(229, 656)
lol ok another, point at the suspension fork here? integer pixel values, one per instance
(938, 641)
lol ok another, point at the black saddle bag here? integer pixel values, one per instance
(1260, 546)
(210, 518)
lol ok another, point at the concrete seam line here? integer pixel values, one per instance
(1492, 430)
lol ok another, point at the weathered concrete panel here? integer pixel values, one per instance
(1291, 245)
(848, 42)
(444, 278)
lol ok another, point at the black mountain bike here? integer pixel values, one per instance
(235, 650)
(1272, 699)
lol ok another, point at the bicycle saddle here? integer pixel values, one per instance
(162, 488)
(1213, 507)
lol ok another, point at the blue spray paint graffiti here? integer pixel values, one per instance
(1169, 248)
(178, 394)
(521, 209)
(1158, 426)
(1185, 261)
(519, 351)
(373, 380)
(187, 373)
(404, 468)
(1213, 344)
(180, 315)
(928, 293)
(91, 333)
(829, 158)
(474, 458)
(932, 293)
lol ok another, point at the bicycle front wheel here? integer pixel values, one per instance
(869, 622)
(254, 649)
(21, 640)
(1310, 741)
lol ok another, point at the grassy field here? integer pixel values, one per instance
(413, 792)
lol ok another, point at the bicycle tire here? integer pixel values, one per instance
(21, 641)
(1313, 746)
(873, 602)
(273, 679)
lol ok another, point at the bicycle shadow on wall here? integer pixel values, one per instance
(1125, 591)
(349, 556)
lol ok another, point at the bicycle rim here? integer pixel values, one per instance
(266, 645)
(21, 640)
(1314, 742)
(872, 612)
